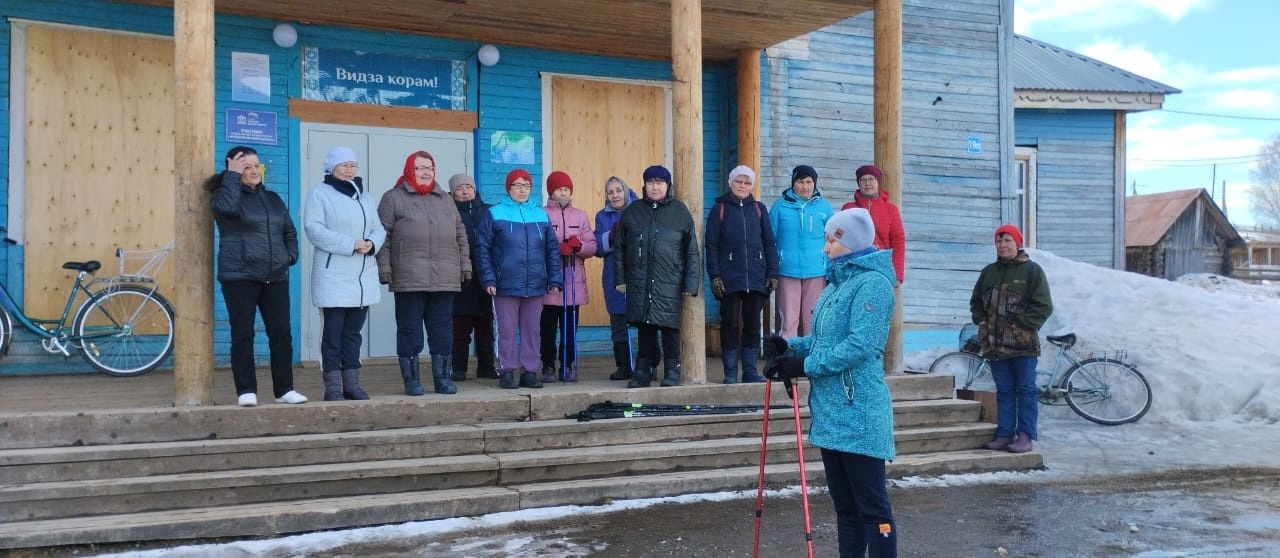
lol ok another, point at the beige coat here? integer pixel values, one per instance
(427, 248)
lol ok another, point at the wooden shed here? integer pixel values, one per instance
(1174, 233)
(1260, 258)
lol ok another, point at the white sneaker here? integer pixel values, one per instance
(292, 398)
(248, 400)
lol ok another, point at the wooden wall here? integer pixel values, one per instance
(818, 111)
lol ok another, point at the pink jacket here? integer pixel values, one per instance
(576, 223)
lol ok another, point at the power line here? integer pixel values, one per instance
(1192, 165)
(1252, 157)
(1213, 115)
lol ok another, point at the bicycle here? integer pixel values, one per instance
(124, 328)
(1101, 387)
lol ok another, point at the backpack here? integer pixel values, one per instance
(759, 214)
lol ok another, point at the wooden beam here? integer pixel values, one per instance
(749, 135)
(1120, 160)
(354, 114)
(888, 137)
(193, 249)
(686, 100)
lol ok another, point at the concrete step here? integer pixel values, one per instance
(275, 518)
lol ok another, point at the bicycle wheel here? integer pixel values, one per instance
(6, 331)
(125, 330)
(1107, 391)
(971, 371)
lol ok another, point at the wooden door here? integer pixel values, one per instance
(601, 129)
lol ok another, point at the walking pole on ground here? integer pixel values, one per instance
(794, 392)
(764, 447)
(573, 302)
(564, 319)
(493, 306)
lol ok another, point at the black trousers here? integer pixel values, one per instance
(740, 309)
(864, 518)
(341, 337)
(554, 317)
(648, 337)
(418, 309)
(244, 300)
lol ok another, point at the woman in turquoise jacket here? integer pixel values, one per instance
(799, 218)
(850, 406)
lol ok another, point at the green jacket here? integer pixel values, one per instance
(1010, 302)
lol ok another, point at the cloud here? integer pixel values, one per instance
(1156, 143)
(1076, 15)
(1248, 100)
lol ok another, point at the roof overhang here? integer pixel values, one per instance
(1087, 100)
(626, 28)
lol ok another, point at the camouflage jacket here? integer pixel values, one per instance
(1010, 302)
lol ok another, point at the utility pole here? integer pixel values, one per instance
(1213, 182)
(1134, 188)
(1224, 200)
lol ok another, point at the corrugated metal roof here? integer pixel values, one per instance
(1149, 216)
(1041, 66)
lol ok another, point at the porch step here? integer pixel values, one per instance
(275, 518)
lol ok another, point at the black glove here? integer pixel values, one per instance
(770, 285)
(717, 288)
(774, 346)
(785, 368)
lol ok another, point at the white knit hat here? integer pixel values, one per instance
(853, 228)
(338, 156)
(742, 170)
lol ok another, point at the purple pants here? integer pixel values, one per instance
(518, 319)
(796, 299)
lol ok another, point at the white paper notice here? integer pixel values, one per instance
(250, 77)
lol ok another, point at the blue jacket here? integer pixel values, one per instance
(799, 227)
(614, 301)
(518, 252)
(849, 402)
(740, 246)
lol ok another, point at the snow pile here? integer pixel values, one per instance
(1209, 345)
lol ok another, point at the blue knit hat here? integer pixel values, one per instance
(658, 171)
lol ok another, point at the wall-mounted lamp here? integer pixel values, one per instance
(488, 55)
(284, 35)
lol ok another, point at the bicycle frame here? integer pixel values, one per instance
(45, 328)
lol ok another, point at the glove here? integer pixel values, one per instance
(717, 288)
(621, 288)
(384, 278)
(466, 279)
(565, 249)
(770, 285)
(774, 346)
(785, 368)
(574, 244)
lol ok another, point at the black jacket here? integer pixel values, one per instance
(257, 239)
(658, 260)
(741, 250)
(472, 301)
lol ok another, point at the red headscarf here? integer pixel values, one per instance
(411, 178)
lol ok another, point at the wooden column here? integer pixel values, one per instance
(686, 98)
(749, 135)
(888, 137)
(193, 250)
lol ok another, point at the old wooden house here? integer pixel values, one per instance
(1171, 234)
(1260, 257)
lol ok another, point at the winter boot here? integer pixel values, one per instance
(670, 373)
(549, 373)
(643, 376)
(409, 372)
(622, 361)
(1021, 443)
(484, 361)
(332, 385)
(442, 374)
(530, 379)
(998, 443)
(729, 358)
(506, 378)
(571, 373)
(460, 362)
(750, 375)
(351, 385)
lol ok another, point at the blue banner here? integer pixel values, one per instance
(381, 79)
(251, 126)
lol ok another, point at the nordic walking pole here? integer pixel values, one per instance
(573, 301)
(764, 447)
(564, 319)
(794, 393)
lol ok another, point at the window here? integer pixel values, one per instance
(1024, 161)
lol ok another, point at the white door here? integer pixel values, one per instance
(382, 152)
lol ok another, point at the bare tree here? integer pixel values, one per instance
(1264, 197)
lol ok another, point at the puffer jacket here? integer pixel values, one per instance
(799, 227)
(427, 248)
(740, 247)
(658, 260)
(518, 252)
(570, 221)
(614, 301)
(1010, 302)
(256, 237)
(339, 213)
(889, 231)
(849, 403)
(472, 301)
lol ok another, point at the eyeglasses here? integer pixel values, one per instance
(521, 185)
(347, 165)
(420, 169)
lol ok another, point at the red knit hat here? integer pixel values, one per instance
(1013, 231)
(518, 173)
(557, 180)
(871, 170)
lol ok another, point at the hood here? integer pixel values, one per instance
(631, 196)
(789, 196)
(1020, 258)
(848, 265)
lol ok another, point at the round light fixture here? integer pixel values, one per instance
(284, 35)
(488, 55)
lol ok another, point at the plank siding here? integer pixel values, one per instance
(818, 104)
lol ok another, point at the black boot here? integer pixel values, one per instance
(332, 385)
(643, 376)
(750, 375)
(729, 358)
(409, 373)
(506, 378)
(351, 385)
(529, 379)
(442, 374)
(622, 361)
(670, 373)
(484, 361)
(460, 362)
(549, 373)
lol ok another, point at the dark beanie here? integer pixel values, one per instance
(802, 171)
(871, 170)
(557, 180)
(658, 171)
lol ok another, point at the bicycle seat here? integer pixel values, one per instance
(89, 266)
(1065, 341)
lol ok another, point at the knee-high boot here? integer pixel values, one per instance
(460, 361)
(670, 373)
(332, 385)
(729, 358)
(643, 376)
(442, 373)
(409, 373)
(749, 372)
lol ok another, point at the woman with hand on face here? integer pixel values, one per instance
(344, 228)
(425, 263)
(519, 261)
(257, 243)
